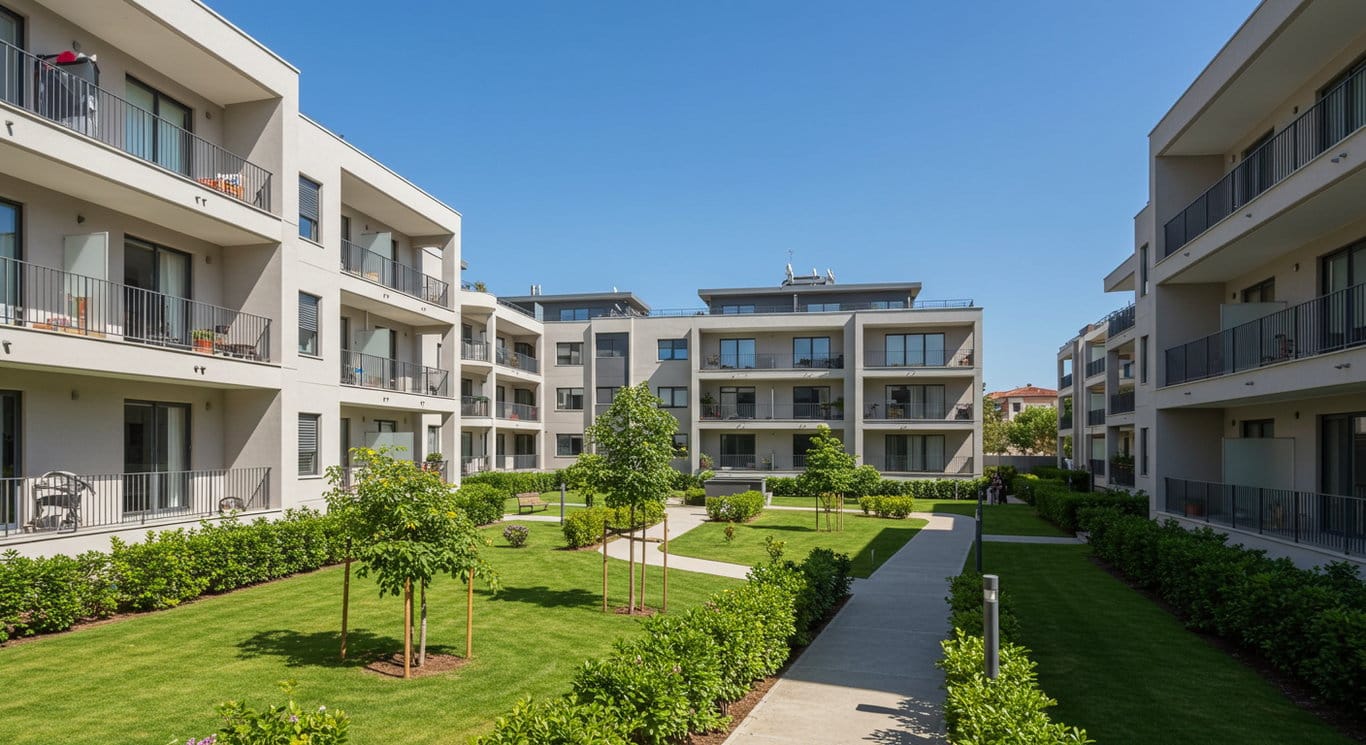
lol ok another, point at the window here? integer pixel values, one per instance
(1259, 428)
(915, 350)
(1143, 359)
(386, 425)
(569, 353)
(345, 228)
(573, 314)
(308, 444)
(822, 307)
(731, 310)
(1143, 269)
(433, 439)
(568, 445)
(915, 402)
(673, 349)
(1015, 407)
(1343, 268)
(1143, 451)
(738, 354)
(308, 324)
(1342, 459)
(737, 402)
(737, 451)
(606, 395)
(915, 453)
(673, 397)
(309, 209)
(524, 349)
(569, 399)
(888, 304)
(811, 351)
(524, 445)
(811, 402)
(11, 73)
(1262, 292)
(611, 345)
(681, 444)
(157, 127)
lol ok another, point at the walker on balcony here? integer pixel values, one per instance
(57, 501)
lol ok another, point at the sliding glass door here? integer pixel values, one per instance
(156, 457)
(157, 282)
(157, 127)
(11, 64)
(11, 225)
(10, 471)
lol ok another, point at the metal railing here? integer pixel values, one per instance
(517, 308)
(35, 506)
(474, 464)
(474, 350)
(46, 299)
(765, 411)
(521, 462)
(945, 466)
(746, 309)
(1329, 521)
(1096, 466)
(516, 412)
(1095, 417)
(44, 88)
(929, 358)
(1339, 113)
(516, 360)
(894, 411)
(1122, 402)
(474, 406)
(1065, 420)
(1325, 324)
(772, 362)
(360, 261)
(1065, 381)
(746, 462)
(1121, 320)
(1095, 367)
(1121, 475)
(370, 371)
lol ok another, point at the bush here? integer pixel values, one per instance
(482, 503)
(560, 721)
(584, 528)
(1075, 480)
(893, 507)
(783, 486)
(696, 497)
(965, 608)
(1061, 506)
(735, 508)
(864, 481)
(513, 483)
(1307, 623)
(516, 535)
(287, 723)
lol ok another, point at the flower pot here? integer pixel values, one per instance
(203, 346)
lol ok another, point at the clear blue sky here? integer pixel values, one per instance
(991, 150)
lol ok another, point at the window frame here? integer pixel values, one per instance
(675, 349)
(565, 396)
(671, 402)
(565, 445)
(575, 350)
(316, 453)
(317, 325)
(680, 450)
(314, 235)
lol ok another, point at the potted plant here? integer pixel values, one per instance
(203, 340)
(433, 462)
(705, 462)
(480, 287)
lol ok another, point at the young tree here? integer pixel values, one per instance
(995, 429)
(829, 470)
(1034, 431)
(629, 459)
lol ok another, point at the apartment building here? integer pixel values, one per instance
(205, 297)
(754, 371)
(1027, 396)
(1095, 400)
(1249, 275)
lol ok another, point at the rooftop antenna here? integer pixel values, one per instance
(830, 274)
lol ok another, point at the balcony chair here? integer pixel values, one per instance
(57, 502)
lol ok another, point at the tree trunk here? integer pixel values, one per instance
(422, 638)
(644, 562)
(407, 628)
(346, 597)
(631, 562)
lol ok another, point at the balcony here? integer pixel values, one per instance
(1095, 417)
(1122, 402)
(772, 362)
(517, 412)
(1120, 321)
(1065, 420)
(726, 309)
(43, 88)
(359, 261)
(470, 464)
(960, 466)
(1339, 113)
(370, 371)
(1096, 466)
(829, 412)
(1095, 367)
(1065, 381)
(516, 360)
(915, 411)
(474, 406)
(519, 462)
(1325, 324)
(61, 504)
(44, 299)
(1121, 475)
(1327, 521)
(929, 358)
(475, 351)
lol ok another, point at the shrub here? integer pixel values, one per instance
(696, 497)
(286, 723)
(1008, 473)
(584, 528)
(482, 503)
(735, 507)
(513, 483)
(560, 721)
(1061, 506)
(893, 507)
(783, 486)
(864, 481)
(965, 607)
(516, 535)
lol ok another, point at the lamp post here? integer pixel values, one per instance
(991, 630)
(561, 502)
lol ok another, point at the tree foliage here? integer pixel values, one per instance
(829, 469)
(995, 429)
(1034, 431)
(631, 453)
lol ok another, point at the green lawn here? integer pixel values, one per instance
(999, 519)
(869, 541)
(1126, 670)
(160, 675)
(572, 500)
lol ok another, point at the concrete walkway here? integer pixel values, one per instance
(870, 676)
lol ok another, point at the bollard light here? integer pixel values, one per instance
(991, 630)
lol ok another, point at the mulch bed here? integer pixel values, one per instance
(392, 666)
(1292, 688)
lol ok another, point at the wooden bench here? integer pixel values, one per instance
(530, 500)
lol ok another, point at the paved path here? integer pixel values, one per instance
(870, 675)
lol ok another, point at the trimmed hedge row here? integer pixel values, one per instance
(693, 496)
(782, 486)
(43, 595)
(893, 507)
(677, 677)
(512, 483)
(1307, 623)
(735, 508)
(1076, 480)
(1062, 507)
(483, 503)
(584, 527)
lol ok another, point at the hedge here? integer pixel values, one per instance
(1061, 506)
(1308, 623)
(1076, 480)
(694, 496)
(584, 527)
(735, 508)
(782, 486)
(512, 483)
(893, 507)
(676, 678)
(483, 503)
(43, 595)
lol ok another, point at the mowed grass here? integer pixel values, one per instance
(998, 519)
(151, 677)
(572, 500)
(1126, 670)
(869, 541)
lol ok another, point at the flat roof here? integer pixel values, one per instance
(579, 297)
(910, 288)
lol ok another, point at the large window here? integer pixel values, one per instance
(309, 209)
(611, 345)
(308, 444)
(156, 456)
(568, 445)
(673, 397)
(569, 353)
(1344, 268)
(915, 350)
(1143, 451)
(811, 402)
(822, 307)
(737, 354)
(1262, 292)
(673, 349)
(1343, 455)
(811, 351)
(569, 399)
(1143, 270)
(11, 72)
(157, 127)
(737, 451)
(573, 314)
(1259, 428)
(915, 453)
(915, 402)
(1143, 359)
(730, 310)
(308, 324)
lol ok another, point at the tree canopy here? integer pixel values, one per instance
(1034, 431)
(629, 450)
(829, 469)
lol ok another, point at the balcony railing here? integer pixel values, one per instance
(928, 358)
(516, 360)
(764, 411)
(1339, 113)
(894, 411)
(517, 412)
(64, 503)
(1065, 420)
(1328, 521)
(370, 371)
(747, 309)
(1122, 403)
(474, 406)
(522, 462)
(1322, 325)
(474, 350)
(361, 262)
(1120, 321)
(474, 464)
(772, 362)
(44, 88)
(949, 467)
(1065, 381)
(1095, 417)
(1121, 475)
(1096, 466)
(1095, 367)
(46, 299)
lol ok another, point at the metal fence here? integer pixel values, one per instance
(474, 406)
(772, 362)
(1065, 420)
(891, 410)
(1096, 466)
(52, 300)
(474, 350)
(361, 262)
(1329, 521)
(923, 358)
(908, 464)
(44, 88)
(1337, 114)
(34, 506)
(516, 360)
(1065, 381)
(1095, 417)
(1121, 475)
(370, 371)
(1095, 367)
(1322, 325)
(474, 464)
(763, 411)
(1122, 402)
(1120, 321)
